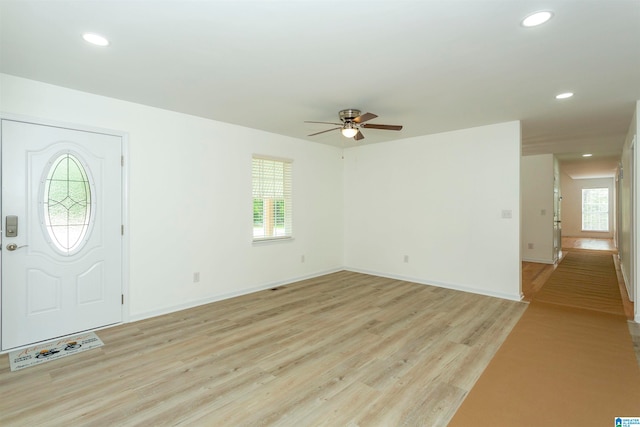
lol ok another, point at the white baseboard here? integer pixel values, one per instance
(539, 260)
(220, 297)
(626, 282)
(452, 286)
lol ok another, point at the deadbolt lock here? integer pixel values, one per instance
(11, 226)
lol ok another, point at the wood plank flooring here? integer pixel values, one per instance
(341, 349)
(588, 243)
(534, 275)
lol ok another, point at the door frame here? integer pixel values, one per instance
(124, 194)
(633, 265)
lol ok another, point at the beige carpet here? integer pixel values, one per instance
(562, 365)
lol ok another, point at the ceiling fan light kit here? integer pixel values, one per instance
(349, 130)
(352, 121)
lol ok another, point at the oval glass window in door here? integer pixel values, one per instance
(67, 203)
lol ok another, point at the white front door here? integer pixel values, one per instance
(61, 231)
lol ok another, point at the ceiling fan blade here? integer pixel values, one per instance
(358, 136)
(326, 123)
(364, 117)
(323, 131)
(384, 127)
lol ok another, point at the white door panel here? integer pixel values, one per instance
(65, 273)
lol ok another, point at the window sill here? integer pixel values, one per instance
(271, 240)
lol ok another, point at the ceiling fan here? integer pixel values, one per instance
(352, 122)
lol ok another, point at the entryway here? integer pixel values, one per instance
(62, 222)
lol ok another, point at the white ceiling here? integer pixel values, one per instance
(431, 66)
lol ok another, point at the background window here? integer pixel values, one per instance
(595, 209)
(272, 210)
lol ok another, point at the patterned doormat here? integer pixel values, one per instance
(62, 347)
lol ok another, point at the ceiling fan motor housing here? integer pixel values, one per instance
(348, 115)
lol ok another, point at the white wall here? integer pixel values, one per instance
(572, 205)
(190, 198)
(537, 173)
(439, 200)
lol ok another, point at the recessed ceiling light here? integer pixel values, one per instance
(564, 95)
(537, 18)
(95, 39)
(587, 155)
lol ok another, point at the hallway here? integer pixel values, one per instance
(572, 339)
(534, 275)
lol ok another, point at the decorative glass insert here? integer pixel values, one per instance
(66, 199)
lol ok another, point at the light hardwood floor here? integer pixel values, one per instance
(534, 275)
(589, 244)
(342, 349)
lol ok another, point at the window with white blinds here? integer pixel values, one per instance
(595, 209)
(272, 208)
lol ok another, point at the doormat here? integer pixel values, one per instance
(52, 350)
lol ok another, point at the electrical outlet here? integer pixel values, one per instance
(530, 245)
(406, 258)
(196, 277)
(302, 258)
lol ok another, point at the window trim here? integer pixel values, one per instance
(287, 196)
(608, 211)
(43, 207)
